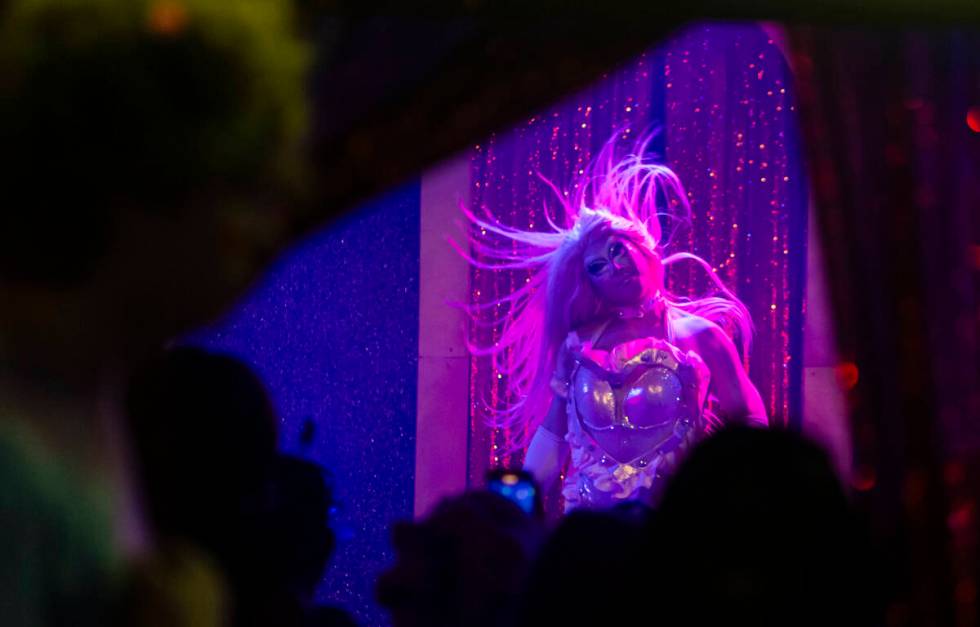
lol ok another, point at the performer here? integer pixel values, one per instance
(603, 363)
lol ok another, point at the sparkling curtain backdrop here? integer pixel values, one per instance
(722, 101)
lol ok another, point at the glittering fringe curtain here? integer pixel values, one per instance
(732, 137)
(892, 120)
(724, 104)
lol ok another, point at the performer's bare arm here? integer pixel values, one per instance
(739, 399)
(548, 451)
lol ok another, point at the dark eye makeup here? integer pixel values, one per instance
(616, 250)
(596, 267)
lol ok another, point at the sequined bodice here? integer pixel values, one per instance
(648, 395)
(633, 411)
(637, 397)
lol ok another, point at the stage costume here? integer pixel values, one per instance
(632, 411)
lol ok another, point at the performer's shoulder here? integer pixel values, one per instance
(706, 338)
(692, 326)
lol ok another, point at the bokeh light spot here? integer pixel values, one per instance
(864, 478)
(973, 119)
(847, 374)
(167, 17)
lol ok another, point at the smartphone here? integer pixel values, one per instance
(517, 486)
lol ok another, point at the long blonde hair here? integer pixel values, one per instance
(629, 195)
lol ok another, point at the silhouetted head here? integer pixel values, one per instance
(297, 540)
(589, 571)
(464, 564)
(756, 527)
(204, 435)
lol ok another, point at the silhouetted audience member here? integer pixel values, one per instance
(297, 545)
(588, 572)
(756, 529)
(215, 490)
(463, 565)
(204, 438)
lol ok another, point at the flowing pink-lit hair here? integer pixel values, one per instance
(629, 195)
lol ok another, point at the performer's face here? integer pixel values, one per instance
(620, 273)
